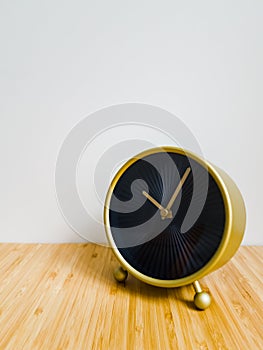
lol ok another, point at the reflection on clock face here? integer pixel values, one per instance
(148, 210)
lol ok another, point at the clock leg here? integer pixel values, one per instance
(120, 274)
(202, 299)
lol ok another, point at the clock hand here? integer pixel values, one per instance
(178, 188)
(151, 199)
(164, 212)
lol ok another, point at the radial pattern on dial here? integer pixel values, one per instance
(166, 252)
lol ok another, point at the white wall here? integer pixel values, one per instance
(61, 60)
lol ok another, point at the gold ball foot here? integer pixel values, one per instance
(120, 274)
(202, 300)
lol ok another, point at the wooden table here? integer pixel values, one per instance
(63, 296)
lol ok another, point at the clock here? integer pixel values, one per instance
(171, 218)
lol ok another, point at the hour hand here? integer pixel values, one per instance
(164, 212)
(151, 199)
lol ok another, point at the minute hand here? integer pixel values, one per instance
(178, 188)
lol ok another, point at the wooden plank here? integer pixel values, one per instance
(63, 296)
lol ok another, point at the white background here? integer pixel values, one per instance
(62, 60)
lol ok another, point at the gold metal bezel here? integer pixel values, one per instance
(216, 258)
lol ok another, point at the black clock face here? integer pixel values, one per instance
(161, 233)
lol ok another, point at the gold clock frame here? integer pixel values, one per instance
(235, 223)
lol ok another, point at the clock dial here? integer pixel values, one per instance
(153, 243)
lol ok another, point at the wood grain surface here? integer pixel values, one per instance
(63, 296)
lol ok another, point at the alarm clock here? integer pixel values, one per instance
(171, 218)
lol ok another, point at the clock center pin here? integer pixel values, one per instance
(166, 214)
